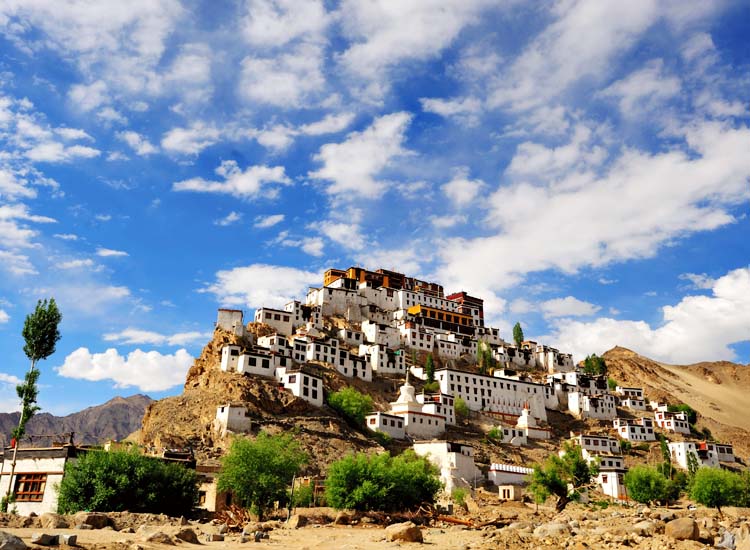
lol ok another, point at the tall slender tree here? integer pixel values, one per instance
(41, 334)
(518, 334)
(429, 369)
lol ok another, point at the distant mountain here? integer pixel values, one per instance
(116, 419)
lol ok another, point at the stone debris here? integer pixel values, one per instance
(296, 521)
(44, 539)
(70, 540)
(53, 521)
(11, 542)
(188, 535)
(214, 537)
(682, 529)
(405, 532)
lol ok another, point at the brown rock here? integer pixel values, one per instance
(342, 518)
(682, 529)
(53, 521)
(159, 537)
(96, 520)
(406, 532)
(296, 521)
(188, 535)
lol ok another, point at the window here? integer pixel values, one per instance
(30, 487)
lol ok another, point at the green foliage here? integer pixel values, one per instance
(40, 330)
(258, 472)
(593, 364)
(5, 502)
(626, 446)
(518, 334)
(692, 465)
(692, 415)
(382, 438)
(118, 481)
(612, 384)
(351, 403)
(303, 496)
(461, 408)
(381, 482)
(429, 369)
(432, 387)
(485, 360)
(562, 476)
(645, 484)
(458, 495)
(642, 447)
(666, 456)
(715, 488)
(495, 434)
(28, 393)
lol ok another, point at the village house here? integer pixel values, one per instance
(231, 321)
(455, 462)
(601, 406)
(383, 360)
(681, 451)
(232, 417)
(303, 384)
(281, 321)
(417, 422)
(509, 474)
(641, 429)
(631, 398)
(438, 404)
(676, 422)
(724, 451)
(386, 423)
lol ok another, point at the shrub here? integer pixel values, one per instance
(715, 488)
(612, 384)
(258, 472)
(562, 476)
(432, 387)
(626, 446)
(495, 434)
(642, 447)
(645, 484)
(351, 403)
(593, 364)
(692, 415)
(382, 438)
(462, 410)
(459, 496)
(381, 482)
(303, 496)
(116, 481)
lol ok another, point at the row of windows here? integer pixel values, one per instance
(275, 316)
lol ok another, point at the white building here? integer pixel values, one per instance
(601, 407)
(259, 362)
(232, 418)
(455, 461)
(277, 319)
(417, 423)
(676, 422)
(551, 360)
(324, 351)
(509, 474)
(724, 451)
(231, 321)
(680, 450)
(438, 404)
(302, 384)
(635, 430)
(381, 333)
(383, 360)
(610, 478)
(351, 337)
(631, 398)
(593, 445)
(230, 357)
(386, 423)
(37, 476)
(530, 428)
(353, 366)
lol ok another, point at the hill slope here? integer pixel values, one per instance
(115, 419)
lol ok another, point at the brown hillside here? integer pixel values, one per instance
(717, 390)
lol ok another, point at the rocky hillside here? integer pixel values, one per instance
(115, 419)
(718, 391)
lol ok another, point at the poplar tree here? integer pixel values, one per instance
(429, 369)
(518, 334)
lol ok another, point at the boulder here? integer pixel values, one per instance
(296, 521)
(96, 520)
(45, 539)
(682, 529)
(405, 532)
(188, 535)
(70, 540)
(643, 528)
(343, 518)
(552, 530)
(214, 537)
(159, 537)
(53, 521)
(11, 542)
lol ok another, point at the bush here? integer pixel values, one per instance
(117, 481)
(593, 364)
(715, 488)
(612, 384)
(692, 415)
(642, 447)
(432, 387)
(258, 472)
(382, 438)
(495, 434)
(381, 482)
(460, 407)
(626, 446)
(562, 476)
(645, 484)
(351, 403)
(303, 496)
(459, 496)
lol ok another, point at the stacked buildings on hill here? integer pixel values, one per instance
(367, 324)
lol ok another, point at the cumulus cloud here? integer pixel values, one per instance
(259, 285)
(643, 89)
(4, 317)
(567, 307)
(140, 145)
(352, 166)
(461, 190)
(465, 110)
(274, 23)
(76, 264)
(253, 182)
(347, 235)
(110, 253)
(191, 140)
(698, 328)
(134, 336)
(264, 222)
(147, 371)
(699, 281)
(230, 219)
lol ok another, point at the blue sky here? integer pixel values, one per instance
(582, 165)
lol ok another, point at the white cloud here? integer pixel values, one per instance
(567, 307)
(643, 89)
(277, 138)
(88, 298)
(461, 190)
(108, 252)
(229, 219)
(330, 124)
(76, 264)
(190, 73)
(521, 305)
(190, 141)
(134, 336)
(89, 97)
(11, 186)
(649, 200)
(52, 151)
(275, 23)
(352, 165)
(142, 146)
(264, 222)
(445, 222)
(253, 182)
(698, 328)
(111, 116)
(699, 281)
(259, 285)
(313, 246)
(66, 236)
(347, 235)
(148, 371)
(403, 260)
(605, 281)
(73, 134)
(465, 111)
(4, 317)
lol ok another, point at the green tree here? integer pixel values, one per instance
(692, 415)
(666, 457)
(715, 488)
(381, 482)
(692, 465)
(126, 480)
(461, 408)
(562, 476)
(429, 369)
(485, 360)
(41, 334)
(351, 403)
(258, 472)
(518, 334)
(645, 484)
(593, 364)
